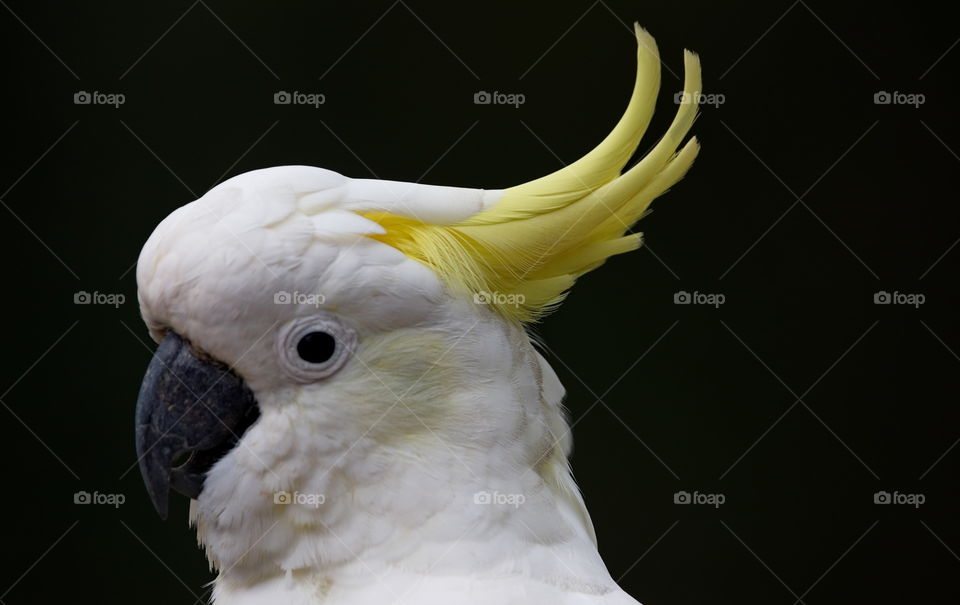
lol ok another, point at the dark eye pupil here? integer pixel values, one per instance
(316, 347)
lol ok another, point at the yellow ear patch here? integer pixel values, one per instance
(523, 254)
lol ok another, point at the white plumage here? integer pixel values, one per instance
(444, 404)
(430, 466)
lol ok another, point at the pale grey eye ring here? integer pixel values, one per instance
(297, 341)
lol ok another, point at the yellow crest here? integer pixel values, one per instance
(526, 251)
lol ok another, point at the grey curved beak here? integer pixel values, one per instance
(190, 412)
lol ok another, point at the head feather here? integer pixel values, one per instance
(527, 250)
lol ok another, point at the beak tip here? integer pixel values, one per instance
(156, 477)
(159, 491)
(161, 503)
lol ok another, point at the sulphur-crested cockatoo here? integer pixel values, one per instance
(345, 389)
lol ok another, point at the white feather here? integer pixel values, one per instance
(432, 466)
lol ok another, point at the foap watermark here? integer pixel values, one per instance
(686, 98)
(882, 97)
(314, 99)
(114, 299)
(496, 97)
(301, 498)
(498, 298)
(713, 299)
(914, 500)
(913, 299)
(298, 298)
(714, 500)
(115, 99)
(495, 497)
(114, 500)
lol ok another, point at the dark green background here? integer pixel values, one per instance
(710, 385)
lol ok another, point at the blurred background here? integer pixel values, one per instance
(764, 397)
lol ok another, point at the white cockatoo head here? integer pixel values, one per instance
(342, 360)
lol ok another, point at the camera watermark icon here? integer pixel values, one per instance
(82, 97)
(114, 500)
(686, 98)
(714, 500)
(498, 298)
(303, 499)
(495, 497)
(913, 299)
(83, 297)
(315, 99)
(914, 500)
(714, 299)
(298, 298)
(483, 97)
(882, 97)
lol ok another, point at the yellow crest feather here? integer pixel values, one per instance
(525, 252)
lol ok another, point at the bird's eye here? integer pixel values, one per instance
(316, 347)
